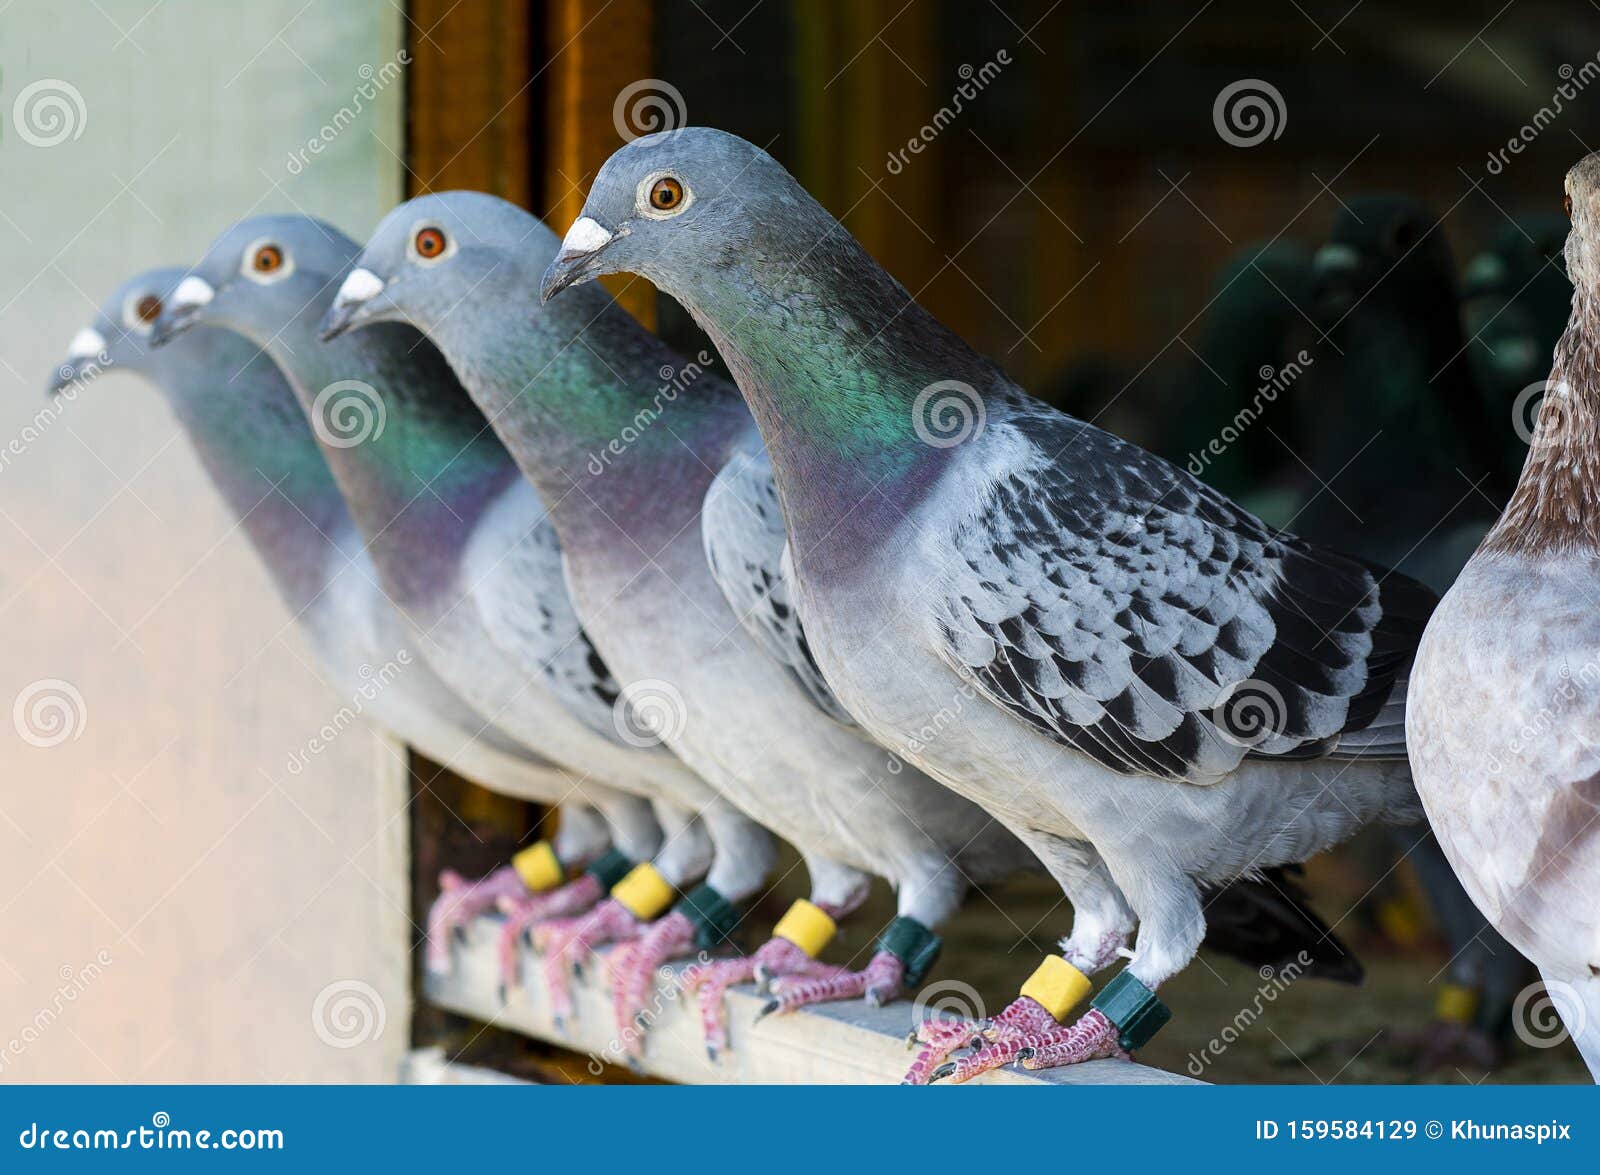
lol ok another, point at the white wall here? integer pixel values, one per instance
(225, 893)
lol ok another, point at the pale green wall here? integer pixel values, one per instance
(227, 893)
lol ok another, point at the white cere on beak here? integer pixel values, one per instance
(585, 236)
(86, 343)
(193, 291)
(1331, 257)
(360, 286)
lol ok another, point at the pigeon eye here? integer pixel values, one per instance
(1566, 203)
(268, 259)
(148, 309)
(666, 194)
(429, 243)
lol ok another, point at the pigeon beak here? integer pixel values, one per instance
(351, 305)
(183, 309)
(86, 358)
(580, 248)
(1335, 259)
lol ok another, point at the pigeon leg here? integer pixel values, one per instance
(459, 902)
(633, 968)
(711, 981)
(523, 911)
(567, 943)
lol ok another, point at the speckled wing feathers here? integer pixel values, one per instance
(741, 524)
(1131, 612)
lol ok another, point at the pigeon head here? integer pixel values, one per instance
(258, 277)
(119, 333)
(1386, 240)
(674, 204)
(1582, 203)
(436, 255)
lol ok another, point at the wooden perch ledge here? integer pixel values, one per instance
(846, 1044)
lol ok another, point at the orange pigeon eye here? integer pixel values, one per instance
(268, 259)
(430, 242)
(148, 309)
(666, 194)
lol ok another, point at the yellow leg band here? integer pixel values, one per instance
(1457, 1003)
(807, 926)
(1057, 985)
(644, 892)
(539, 867)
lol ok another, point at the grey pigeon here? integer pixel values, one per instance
(1505, 693)
(459, 541)
(255, 444)
(656, 479)
(1152, 689)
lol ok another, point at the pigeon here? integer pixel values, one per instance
(1505, 690)
(255, 444)
(1515, 301)
(1394, 482)
(1226, 423)
(1399, 461)
(463, 547)
(1152, 689)
(657, 482)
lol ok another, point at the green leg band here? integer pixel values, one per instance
(715, 918)
(609, 869)
(914, 945)
(1133, 1008)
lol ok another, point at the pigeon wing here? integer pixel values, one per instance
(1129, 611)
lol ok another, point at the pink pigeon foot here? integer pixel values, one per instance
(941, 1037)
(1092, 1037)
(459, 902)
(567, 943)
(633, 969)
(881, 981)
(526, 910)
(711, 981)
